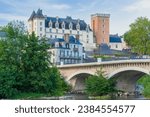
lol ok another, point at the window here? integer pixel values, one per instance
(83, 49)
(57, 24)
(116, 46)
(51, 36)
(67, 53)
(87, 41)
(50, 24)
(103, 20)
(63, 25)
(70, 53)
(40, 23)
(56, 30)
(70, 25)
(78, 26)
(40, 28)
(40, 35)
(78, 32)
(67, 45)
(55, 36)
(70, 31)
(87, 28)
(87, 36)
(103, 26)
(50, 30)
(63, 31)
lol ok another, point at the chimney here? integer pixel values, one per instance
(77, 37)
(66, 37)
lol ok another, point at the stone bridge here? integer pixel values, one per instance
(127, 72)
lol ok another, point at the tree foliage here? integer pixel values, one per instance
(25, 65)
(98, 85)
(145, 81)
(138, 37)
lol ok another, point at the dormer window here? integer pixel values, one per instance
(63, 25)
(50, 24)
(56, 24)
(70, 25)
(78, 26)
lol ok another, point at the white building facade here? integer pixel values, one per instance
(116, 42)
(66, 50)
(55, 27)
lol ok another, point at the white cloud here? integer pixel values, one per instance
(138, 6)
(10, 17)
(60, 6)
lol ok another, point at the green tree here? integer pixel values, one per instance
(98, 85)
(9, 61)
(145, 81)
(25, 65)
(138, 37)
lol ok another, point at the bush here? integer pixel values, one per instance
(98, 85)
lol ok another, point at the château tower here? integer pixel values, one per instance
(100, 27)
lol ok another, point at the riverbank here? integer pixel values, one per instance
(105, 97)
(28, 96)
(38, 96)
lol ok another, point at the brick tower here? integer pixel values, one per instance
(100, 27)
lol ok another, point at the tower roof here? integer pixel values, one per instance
(37, 14)
(32, 16)
(100, 15)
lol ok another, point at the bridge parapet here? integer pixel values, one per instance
(109, 67)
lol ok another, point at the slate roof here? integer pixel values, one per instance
(67, 21)
(115, 39)
(72, 40)
(104, 49)
(37, 14)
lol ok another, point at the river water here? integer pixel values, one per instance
(85, 97)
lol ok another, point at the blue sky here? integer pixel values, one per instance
(123, 12)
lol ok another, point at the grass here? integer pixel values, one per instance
(102, 56)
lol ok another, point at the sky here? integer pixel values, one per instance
(122, 12)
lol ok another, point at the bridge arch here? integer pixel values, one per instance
(139, 69)
(78, 73)
(77, 80)
(127, 77)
